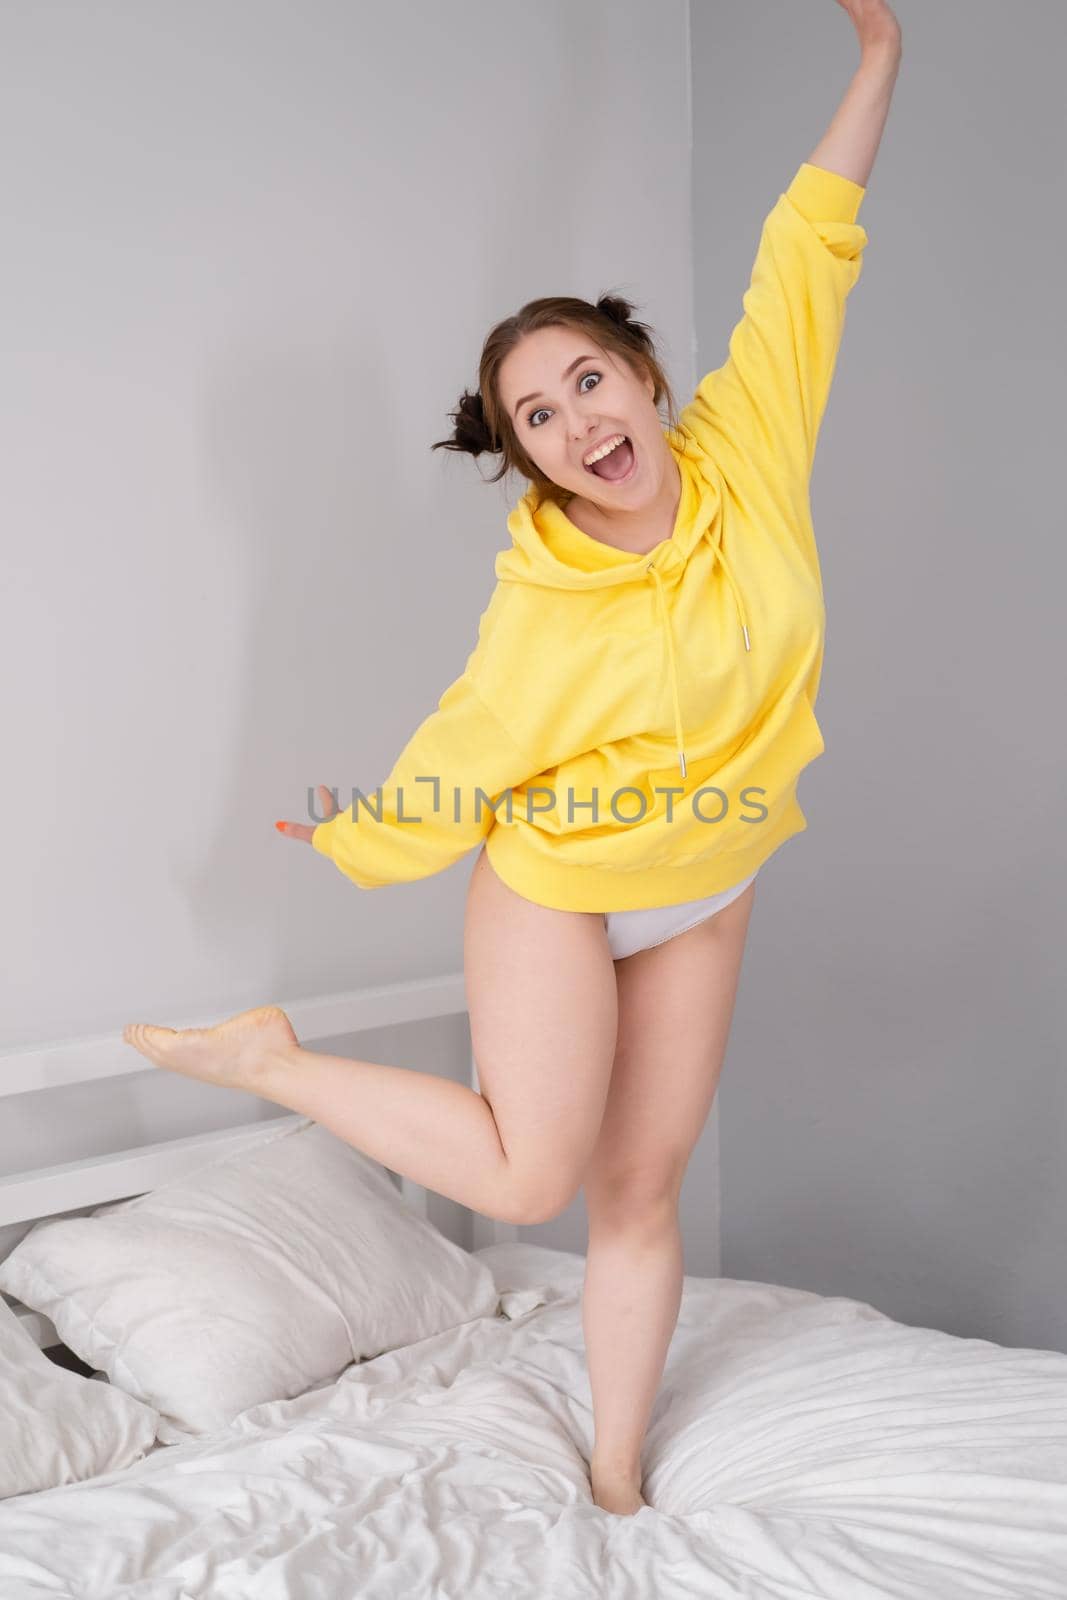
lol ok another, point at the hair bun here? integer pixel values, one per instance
(473, 433)
(616, 309)
(473, 407)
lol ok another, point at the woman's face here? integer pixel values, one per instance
(565, 395)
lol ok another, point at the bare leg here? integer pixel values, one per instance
(633, 1290)
(676, 1004)
(430, 1129)
(541, 993)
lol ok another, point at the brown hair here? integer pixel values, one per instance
(481, 421)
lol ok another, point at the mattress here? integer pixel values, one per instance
(800, 1446)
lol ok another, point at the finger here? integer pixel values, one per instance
(295, 830)
(329, 804)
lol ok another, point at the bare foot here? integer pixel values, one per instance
(229, 1054)
(616, 1491)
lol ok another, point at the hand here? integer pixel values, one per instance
(300, 830)
(874, 21)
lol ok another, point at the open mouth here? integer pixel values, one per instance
(618, 466)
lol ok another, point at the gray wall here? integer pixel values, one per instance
(892, 1114)
(250, 256)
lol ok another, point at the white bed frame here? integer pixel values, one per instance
(49, 1191)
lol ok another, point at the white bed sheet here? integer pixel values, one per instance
(801, 1446)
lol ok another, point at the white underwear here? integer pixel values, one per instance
(630, 931)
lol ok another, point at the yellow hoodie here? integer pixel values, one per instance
(628, 730)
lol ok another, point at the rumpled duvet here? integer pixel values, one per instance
(801, 1448)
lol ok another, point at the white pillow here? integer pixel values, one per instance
(257, 1277)
(57, 1427)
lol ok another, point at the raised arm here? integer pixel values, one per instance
(763, 408)
(851, 142)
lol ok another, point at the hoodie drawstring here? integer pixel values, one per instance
(717, 553)
(739, 605)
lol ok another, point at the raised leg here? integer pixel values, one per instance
(541, 994)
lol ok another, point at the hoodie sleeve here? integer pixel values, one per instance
(434, 805)
(768, 398)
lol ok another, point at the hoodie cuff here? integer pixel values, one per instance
(321, 836)
(823, 196)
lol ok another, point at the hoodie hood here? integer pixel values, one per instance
(550, 551)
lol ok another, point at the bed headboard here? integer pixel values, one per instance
(31, 1195)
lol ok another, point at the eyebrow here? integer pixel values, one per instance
(566, 374)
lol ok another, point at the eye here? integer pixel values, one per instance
(581, 380)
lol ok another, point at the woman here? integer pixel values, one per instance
(642, 686)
